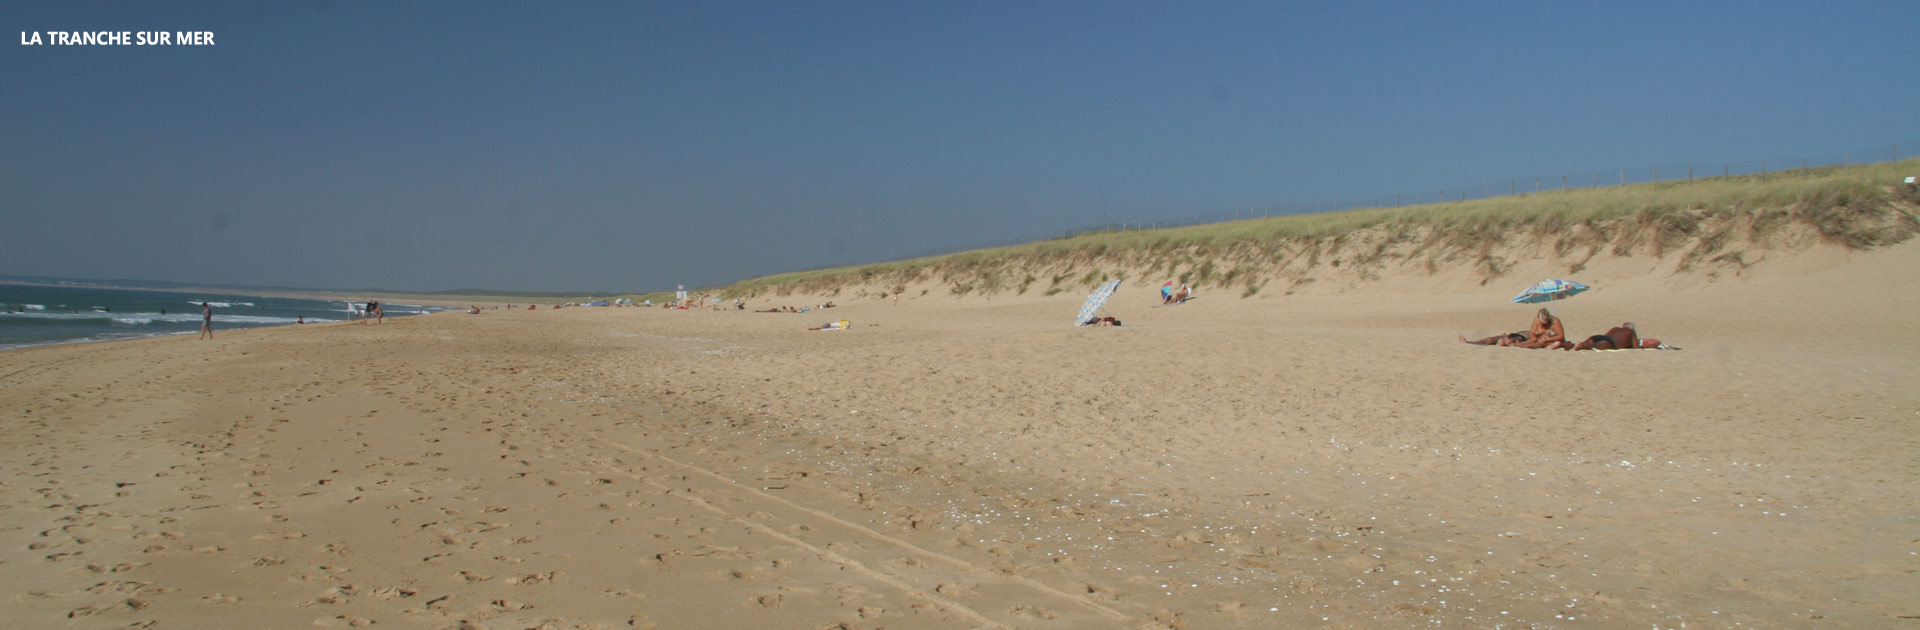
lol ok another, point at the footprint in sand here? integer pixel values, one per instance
(394, 592)
(127, 604)
(534, 578)
(1096, 591)
(129, 587)
(626, 594)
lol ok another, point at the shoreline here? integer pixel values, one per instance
(137, 313)
(449, 301)
(161, 335)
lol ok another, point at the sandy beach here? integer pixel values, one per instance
(1331, 458)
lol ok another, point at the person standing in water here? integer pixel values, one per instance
(206, 320)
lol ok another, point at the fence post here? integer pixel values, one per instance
(1726, 170)
(1623, 177)
(1536, 184)
(1396, 200)
(1763, 167)
(1510, 189)
(1656, 174)
(1689, 173)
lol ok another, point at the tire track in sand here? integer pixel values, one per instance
(818, 520)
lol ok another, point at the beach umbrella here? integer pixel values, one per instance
(1095, 301)
(1548, 291)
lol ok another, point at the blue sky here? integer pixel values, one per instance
(632, 146)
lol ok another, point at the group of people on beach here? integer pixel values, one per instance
(1169, 296)
(1547, 332)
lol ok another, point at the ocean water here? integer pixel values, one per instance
(37, 315)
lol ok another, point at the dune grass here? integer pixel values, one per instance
(1826, 197)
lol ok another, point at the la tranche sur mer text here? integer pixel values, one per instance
(116, 38)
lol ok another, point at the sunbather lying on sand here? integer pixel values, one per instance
(1497, 340)
(1622, 337)
(1546, 332)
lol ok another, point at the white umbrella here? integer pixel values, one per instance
(1095, 301)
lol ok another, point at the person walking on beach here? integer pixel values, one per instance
(206, 320)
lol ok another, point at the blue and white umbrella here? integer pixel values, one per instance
(1548, 291)
(1095, 301)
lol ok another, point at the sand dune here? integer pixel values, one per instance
(1331, 459)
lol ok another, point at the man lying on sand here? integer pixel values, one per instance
(1622, 337)
(1546, 332)
(839, 325)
